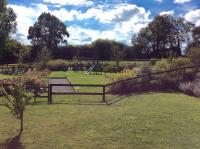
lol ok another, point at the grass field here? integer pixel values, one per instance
(79, 77)
(2, 76)
(153, 120)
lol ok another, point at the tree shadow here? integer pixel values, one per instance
(12, 143)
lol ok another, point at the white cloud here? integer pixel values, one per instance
(193, 16)
(26, 17)
(171, 12)
(181, 1)
(160, 1)
(70, 2)
(120, 13)
(124, 20)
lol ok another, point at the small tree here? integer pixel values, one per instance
(117, 53)
(15, 98)
(194, 54)
(43, 58)
(14, 94)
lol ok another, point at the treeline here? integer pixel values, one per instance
(165, 36)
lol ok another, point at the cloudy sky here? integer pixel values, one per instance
(88, 20)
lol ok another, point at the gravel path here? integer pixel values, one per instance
(61, 89)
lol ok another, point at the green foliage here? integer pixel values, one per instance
(163, 37)
(190, 87)
(56, 65)
(196, 36)
(15, 97)
(179, 63)
(7, 26)
(145, 69)
(43, 58)
(117, 53)
(125, 74)
(48, 31)
(194, 55)
(162, 65)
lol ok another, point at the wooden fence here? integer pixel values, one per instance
(50, 92)
(108, 88)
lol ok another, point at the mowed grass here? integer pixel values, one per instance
(80, 77)
(152, 120)
(2, 76)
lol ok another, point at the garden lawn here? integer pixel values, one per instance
(2, 76)
(151, 120)
(79, 77)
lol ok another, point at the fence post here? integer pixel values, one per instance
(104, 94)
(49, 94)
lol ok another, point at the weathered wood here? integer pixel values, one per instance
(104, 94)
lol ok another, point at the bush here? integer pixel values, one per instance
(125, 74)
(162, 65)
(35, 80)
(194, 54)
(179, 63)
(57, 65)
(145, 69)
(190, 87)
(122, 86)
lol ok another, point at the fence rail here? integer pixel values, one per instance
(106, 88)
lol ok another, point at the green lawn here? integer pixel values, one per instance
(79, 77)
(2, 76)
(154, 120)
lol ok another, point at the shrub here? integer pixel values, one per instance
(190, 87)
(57, 65)
(179, 63)
(162, 65)
(145, 69)
(194, 54)
(35, 80)
(43, 58)
(122, 87)
(125, 74)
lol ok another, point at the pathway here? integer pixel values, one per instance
(61, 89)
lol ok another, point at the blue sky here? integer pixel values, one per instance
(88, 20)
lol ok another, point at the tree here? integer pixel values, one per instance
(15, 97)
(44, 57)
(163, 36)
(194, 54)
(196, 37)
(48, 32)
(7, 25)
(102, 49)
(117, 52)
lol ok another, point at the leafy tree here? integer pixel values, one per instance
(102, 49)
(196, 37)
(48, 32)
(163, 36)
(7, 25)
(194, 54)
(44, 57)
(15, 98)
(117, 53)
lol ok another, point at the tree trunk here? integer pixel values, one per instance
(22, 120)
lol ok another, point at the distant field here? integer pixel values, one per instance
(149, 121)
(5, 76)
(80, 77)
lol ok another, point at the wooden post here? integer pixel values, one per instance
(104, 94)
(50, 94)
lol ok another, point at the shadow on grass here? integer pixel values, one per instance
(12, 143)
(38, 103)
